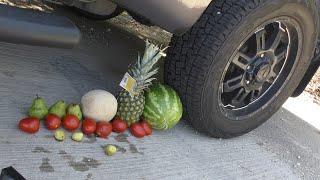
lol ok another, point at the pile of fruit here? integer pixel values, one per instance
(70, 118)
(140, 106)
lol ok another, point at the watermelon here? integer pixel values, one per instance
(163, 107)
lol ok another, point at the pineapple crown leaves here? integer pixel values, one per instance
(142, 71)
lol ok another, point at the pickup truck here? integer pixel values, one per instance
(233, 62)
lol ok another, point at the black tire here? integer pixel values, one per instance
(196, 61)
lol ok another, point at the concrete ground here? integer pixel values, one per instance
(285, 147)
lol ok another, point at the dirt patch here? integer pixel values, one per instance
(79, 166)
(122, 138)
(46, 166)
(134, 149)
(313, 87)
(39, 149)
(85, 164)
(153, 33)
(260, 143)
(62, 152)
(65, 155)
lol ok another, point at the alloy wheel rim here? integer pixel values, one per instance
(256, 65)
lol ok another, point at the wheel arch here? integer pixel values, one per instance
(175, 16)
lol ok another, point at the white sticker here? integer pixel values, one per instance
(128, 83)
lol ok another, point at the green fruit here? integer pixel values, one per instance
(58, 109)
(38, 108)
(59, 135)
(110, 150)
(75, 109)
(163, 107)
(130, 106)
(77, 136)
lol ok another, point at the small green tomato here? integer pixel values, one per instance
(110, 150)
(77, 136)
(59, 135)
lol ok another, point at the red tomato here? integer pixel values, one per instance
(88, 126)
(147, 127)
(52, 122)
(137, 130)
(29, 125)
(119, 125)
(71, 122)
(103, 129)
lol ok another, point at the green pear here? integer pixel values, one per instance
(75, 109)
(38, 108)
(58, 109)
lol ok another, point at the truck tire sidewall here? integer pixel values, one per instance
(209, 104)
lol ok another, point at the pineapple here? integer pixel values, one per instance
(131, 105)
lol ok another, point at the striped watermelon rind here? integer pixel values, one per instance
(163, 107)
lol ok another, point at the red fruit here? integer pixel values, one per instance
(103, 129)
(29, 125)
(119, 125)
(147, 127)
(88, 126)
(71, 122)
(52, 122)
(137, 130)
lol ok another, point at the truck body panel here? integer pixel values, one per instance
(175, 16)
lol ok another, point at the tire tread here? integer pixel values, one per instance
(186, 62)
